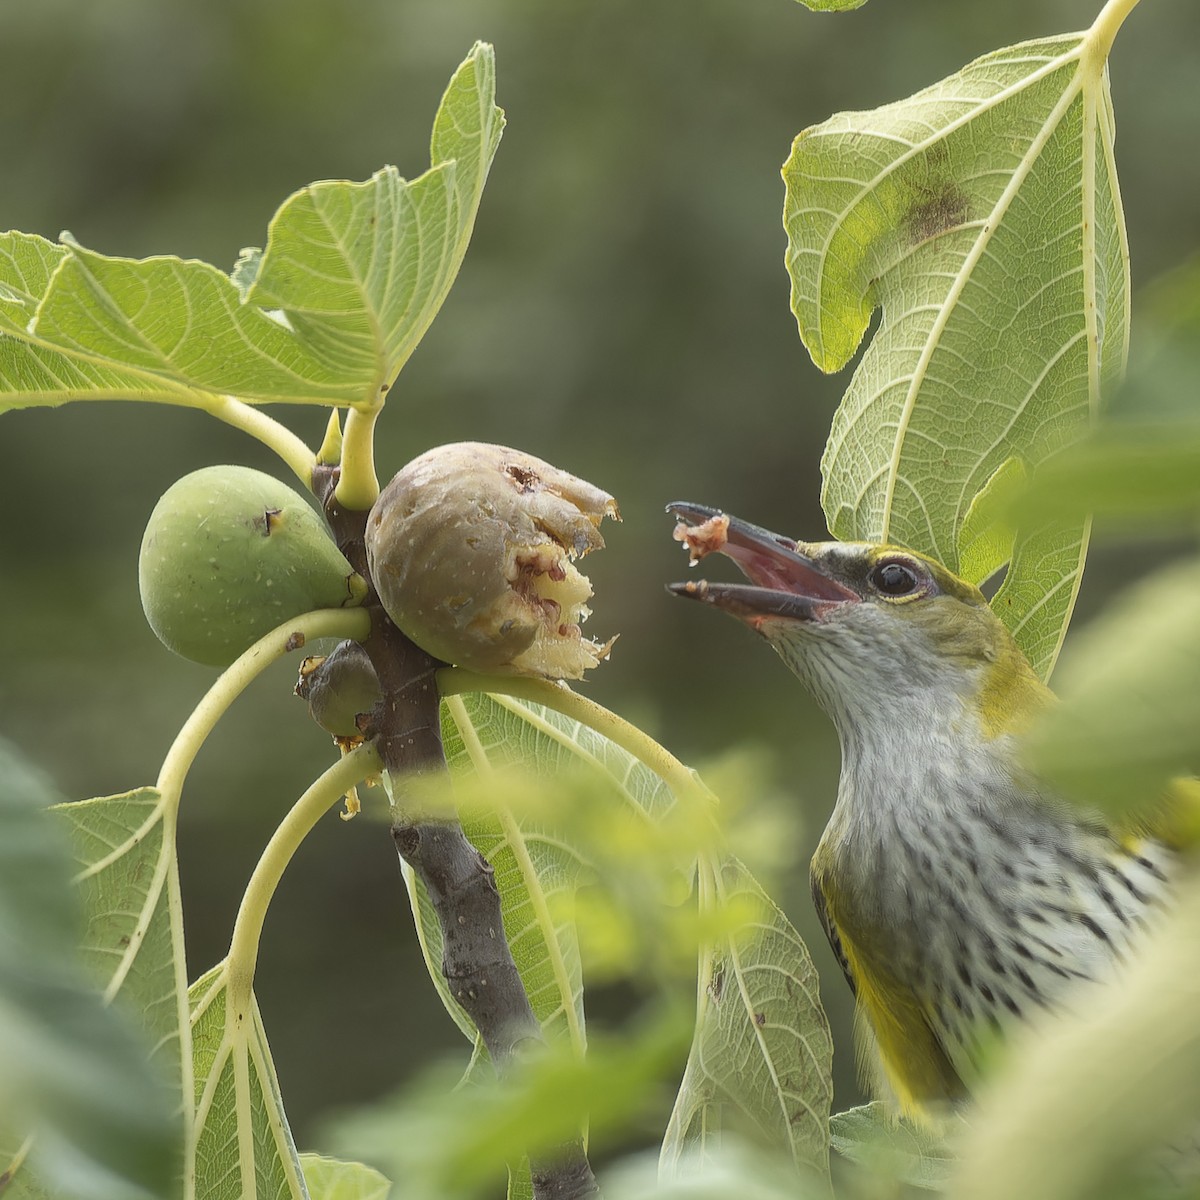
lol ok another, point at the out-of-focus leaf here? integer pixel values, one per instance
(875, 1137)
(350, 279)
(1117, 1082)
(538, 865)
(760, 1063)
(329, 1179)
(448, 1143)
(1124, 472)
(544, 797)
(1164, 359)
(982, 216)
(244, 1145)
(718, 1171)
(986, 536)
(72, 1071)
(1130, 712)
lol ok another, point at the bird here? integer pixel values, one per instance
(961, 895)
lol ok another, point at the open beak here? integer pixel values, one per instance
(784, 583)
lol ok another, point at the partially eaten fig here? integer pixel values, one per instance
(471, 548)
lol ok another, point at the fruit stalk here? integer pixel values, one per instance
(291, 449)
(477, 962)
(324, 793)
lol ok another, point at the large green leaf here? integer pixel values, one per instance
(243, 1144)
(350, 279)
(133, 935)
(27, 264)
(760, 1062)
(361, 269)
(982, 216)
(72, 1071)
(761, 1054)
(31, 373)
(183, 323)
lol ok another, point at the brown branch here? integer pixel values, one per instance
(477, 962)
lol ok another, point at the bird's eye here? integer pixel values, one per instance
(893, 578)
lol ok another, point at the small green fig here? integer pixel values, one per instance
(230, 553)
(338, 688)
(470, 549)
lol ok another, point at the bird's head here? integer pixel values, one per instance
(876, 632)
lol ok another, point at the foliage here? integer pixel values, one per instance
(968, 212)
(875, 1138)
(982, 216)
(1130, 715)
(76, 1083)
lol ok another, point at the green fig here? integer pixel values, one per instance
(470, 548)
(230, 553)
(338, 688)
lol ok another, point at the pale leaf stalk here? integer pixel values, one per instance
(684, 783)
(358, 484)
(321, 796)
(291, 635)
(275, 436)
(1104, 29)
(338, 622)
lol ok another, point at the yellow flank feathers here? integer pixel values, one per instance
(914, 1064)
(912, 1059)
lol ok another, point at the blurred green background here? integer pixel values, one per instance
(623, 312)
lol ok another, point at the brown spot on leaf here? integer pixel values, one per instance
(942, 206)
(716, 985)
